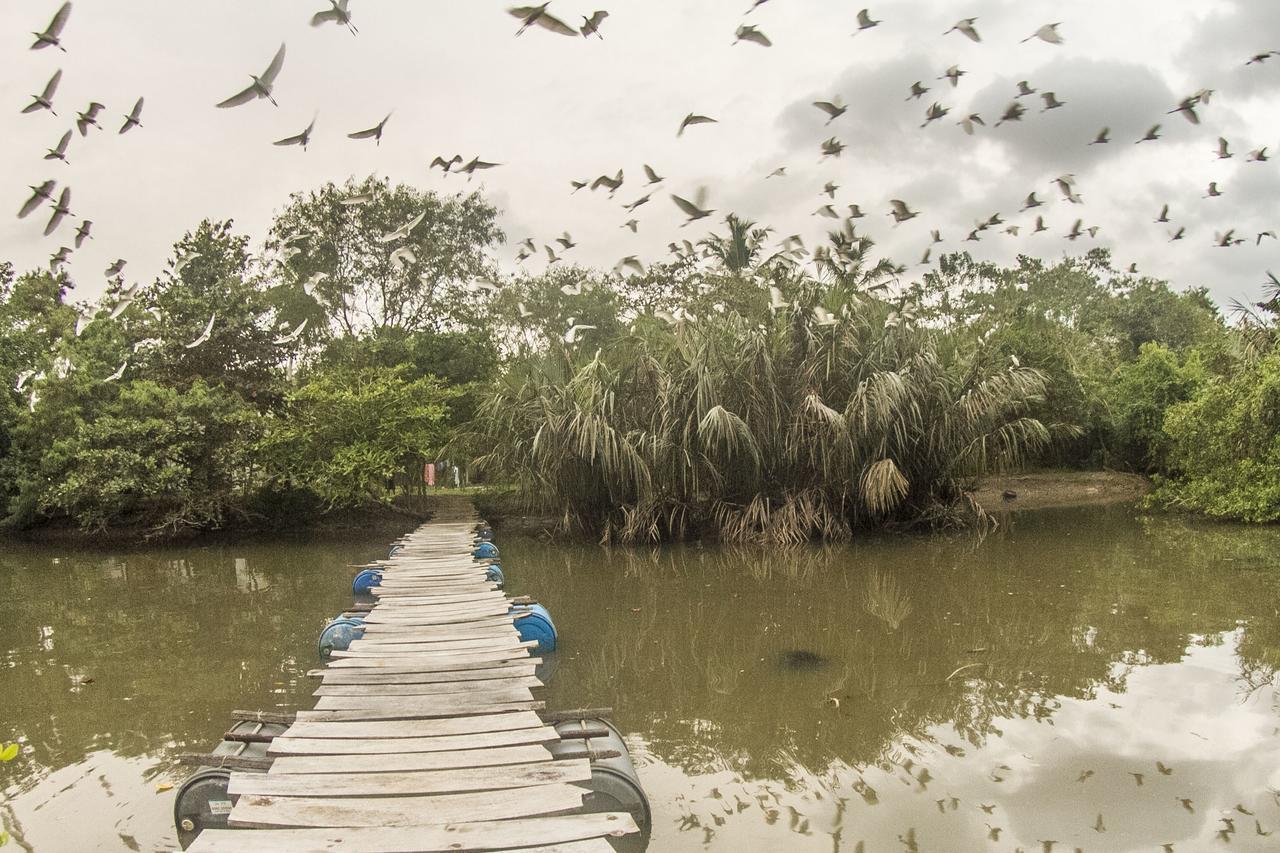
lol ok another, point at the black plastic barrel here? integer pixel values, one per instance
(614, 785)
(202, 802)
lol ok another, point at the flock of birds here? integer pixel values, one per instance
(790, 250)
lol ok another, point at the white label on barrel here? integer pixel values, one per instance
(219, 807)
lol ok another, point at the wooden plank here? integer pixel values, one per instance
(430, 704)
(392, 762)
(383, 746)
(437, 689)
(478, 673)
(386, 648)
(448, 837)
(423, 667)
(408, 642)
(418, 728)
(232, 762)
(488, 623)
(427, 633)
(424, 813)
(387, 618)
(460, 659)
(397, 714)
(408, 783)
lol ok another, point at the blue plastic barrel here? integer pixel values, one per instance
(537, 626)
(338, 635)
(365, 581)
(493, 573)
(485, 549)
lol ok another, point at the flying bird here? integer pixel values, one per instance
(61, 209)
(965, 27)
(292, 336)
(1258, 155)
(566, 241)
(133, 119)
(780, 172)
(1214, 192)
(89, 117)
(642, 200)
(855, 212)
(653, 176)
(1031, 202)
(968, 122)
(1187, 107)
(1040, 226)
(630, 262)
(52, 33)
(338, 14)
(830, 188)
(1024, 89)
(591, 26)
(1013, 112)
(475, 165)
(539, 16)
(606, 181)
(43, 192)
(44, 100)
(303, 139)
(901, 212)
(693, 209)
(445, 165)
(865, 22)
(917, 89)
(374, 133)
(204, 336)
(119, 372)
(63, 254)
(1164, 214)
(1103, 137)
(953, 74)
(832, 147)
(403, 231)
(747, 32)
(1177, 235)
(935, 112)
(1223, 152)
(59, 151)
(82, 233)
(574, 328)
(1152, 135)
(404, 256)
(1048, 33)
(117, 267)
(1051, 101)
(182, 262)
(261, 86)
(552, 257)
(832, 108)
(356, 200)
(826, 210)
(692, 119)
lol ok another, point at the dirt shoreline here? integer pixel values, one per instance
(1045, 489)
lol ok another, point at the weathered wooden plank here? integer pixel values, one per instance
(432, 816)
(429, 689)
(542, 832)
(397, 714)
(409, 783)
(436, 644)
(428, 703)
(418, 728)
(478, 673)
(231, 762)
(421, 668)
(487, 623)
(393, 762)
(374, 648)
(382, 746)
(360, 660)
(446, 632)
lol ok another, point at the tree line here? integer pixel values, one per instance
(733, 389)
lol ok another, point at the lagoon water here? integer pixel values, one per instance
(1085, 678)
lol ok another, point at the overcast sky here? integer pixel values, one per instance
(551, 109)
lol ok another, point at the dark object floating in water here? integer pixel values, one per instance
(1009, 494)
(802, 660)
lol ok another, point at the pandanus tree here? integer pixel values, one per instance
(775, 424)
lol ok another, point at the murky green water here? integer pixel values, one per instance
(1082, 679)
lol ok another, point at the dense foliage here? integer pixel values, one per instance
(746, 387)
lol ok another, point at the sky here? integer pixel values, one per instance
(552, 109)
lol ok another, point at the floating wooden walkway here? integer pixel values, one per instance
(425, 736)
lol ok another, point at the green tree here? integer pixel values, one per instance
(344, 434)
(337, 249)
(1140, 393)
